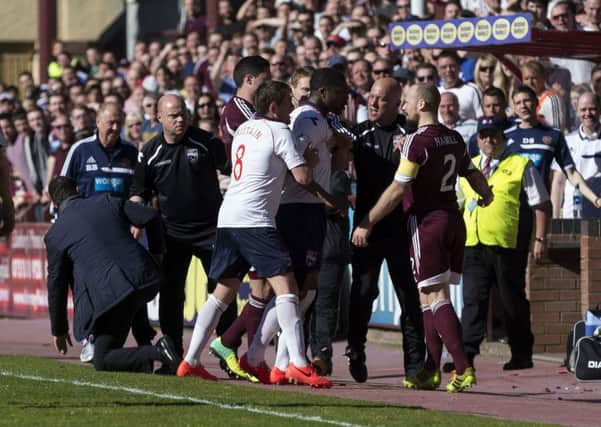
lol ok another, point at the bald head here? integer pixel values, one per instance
(421, 103)
(429, 94)
(172, 115)
(168, 100)
(384, 101)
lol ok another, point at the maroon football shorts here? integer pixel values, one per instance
(436, 247)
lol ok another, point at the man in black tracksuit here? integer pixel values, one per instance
(180, 166)
(91, 250)
(376, 158)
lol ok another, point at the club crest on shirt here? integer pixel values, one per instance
(192, 154)
(398, 141)
(547, 139)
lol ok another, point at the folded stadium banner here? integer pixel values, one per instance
(23, 273)
(23, 268)
(457, 33)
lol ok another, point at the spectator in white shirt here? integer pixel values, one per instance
(585, 147)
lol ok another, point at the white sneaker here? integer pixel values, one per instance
(87, 350)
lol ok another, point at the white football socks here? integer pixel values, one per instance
(206, 322)
(292, 335)
(267, 329)
(282, 359)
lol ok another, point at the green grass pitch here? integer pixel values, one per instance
(37, 391)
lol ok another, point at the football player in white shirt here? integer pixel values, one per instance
(301, 218)
(585, 147)
(264, 150)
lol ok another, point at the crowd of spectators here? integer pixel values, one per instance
(40, 122)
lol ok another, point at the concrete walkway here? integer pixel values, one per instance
(546, 394)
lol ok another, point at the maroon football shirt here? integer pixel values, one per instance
(236, 111)
(442, 155)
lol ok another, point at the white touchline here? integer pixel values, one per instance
(139, 391)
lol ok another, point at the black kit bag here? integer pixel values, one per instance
(577, 332)
(588, 359)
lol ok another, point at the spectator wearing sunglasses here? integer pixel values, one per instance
(485, 72)
(380, 69)
(426, 73)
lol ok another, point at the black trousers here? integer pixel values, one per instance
(366, 263)
(325, 315)
(141, 329)
(112, 329)
(335, 259)
(487, 266)
(172, 292)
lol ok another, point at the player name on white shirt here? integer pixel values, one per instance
(262, 153)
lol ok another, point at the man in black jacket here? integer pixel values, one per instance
(180, 166)
(90, 250)
(376, 158)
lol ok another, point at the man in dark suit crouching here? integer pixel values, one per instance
(91, 250)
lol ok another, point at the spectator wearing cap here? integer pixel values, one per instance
(470, 104)
(334, 44)
(493, 255)
(448, 112)
(403, 76)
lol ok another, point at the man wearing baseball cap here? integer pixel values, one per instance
(494, 253)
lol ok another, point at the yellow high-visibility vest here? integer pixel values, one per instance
(496, 224)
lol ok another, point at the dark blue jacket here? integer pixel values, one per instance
(101, 170)
(90, 248)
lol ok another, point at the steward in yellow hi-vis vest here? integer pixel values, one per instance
(496, 253)
(497, 223)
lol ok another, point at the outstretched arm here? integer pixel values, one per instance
(480, 185)
(388, 201)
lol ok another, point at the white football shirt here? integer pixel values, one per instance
(586, 152)
(262, 152)
(309, 127)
